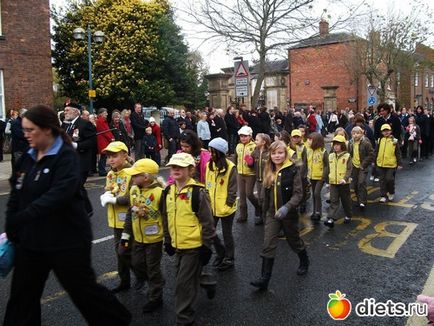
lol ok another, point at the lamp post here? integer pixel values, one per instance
(98, 37)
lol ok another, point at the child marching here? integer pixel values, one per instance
(283, 194)
(339, 179)
(362, 155)
(221, 184)
(260, 155)
(189, 232)
(298, 146)
(246, 173)
(388, 159)
(144, 222)
(318, 169)
(116, 199)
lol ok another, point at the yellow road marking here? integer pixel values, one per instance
(57, 295)
(366, 246)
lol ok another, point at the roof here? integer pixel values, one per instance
(270, 66)
(324, 40)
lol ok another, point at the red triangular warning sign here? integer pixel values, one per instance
(241, 71)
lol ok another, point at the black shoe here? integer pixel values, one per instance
(328, 201)
(316, 218)
(208, 283)
(226, 264)
(302, 208)
(218, 260)
(259, 221)
(153, 305)
(304, 263)
(258, 211)
(329, 223)
(267, 267)
(121, 287)
(347, 220)
(139, 284)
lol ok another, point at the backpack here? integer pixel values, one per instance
(195, 201)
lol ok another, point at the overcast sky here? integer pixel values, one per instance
(216, 57)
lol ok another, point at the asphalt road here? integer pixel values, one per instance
(386, 253)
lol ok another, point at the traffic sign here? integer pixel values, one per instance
(241, 78)
(92, 93)
(372, 95)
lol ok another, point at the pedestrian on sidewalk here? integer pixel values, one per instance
(283, 194)
(221, 184)
(143, 228)
(340, 167)
(388, 159)
(46, 216)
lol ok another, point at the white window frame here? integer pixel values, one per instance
(2, 96)
(426, 80)
(432, 81)
(416, 79)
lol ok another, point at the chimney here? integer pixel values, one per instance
(323, 28)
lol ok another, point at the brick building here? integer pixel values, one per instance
(319, 73)
(25, 54)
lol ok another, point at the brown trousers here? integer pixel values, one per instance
(271, 233)
(387, 180)
(124, 261)
(342, 193)
(359, 177)
(146, 260)
(246, 185)
(316, 195)
(189, 269)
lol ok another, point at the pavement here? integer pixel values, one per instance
(386, 253)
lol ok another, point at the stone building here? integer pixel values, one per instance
(25, 54)
(221, 86)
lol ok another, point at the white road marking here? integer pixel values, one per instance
(109, 237)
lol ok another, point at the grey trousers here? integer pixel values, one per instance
(146, 259)
(387, 180)
(271, 233)
(342, 193)
(188, 273)
(259, 193)
(124, 261)
(246, 185)
(316, 195)
(359, 177)
(228, 248)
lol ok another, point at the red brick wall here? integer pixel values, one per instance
(25, 53)
(316, 67)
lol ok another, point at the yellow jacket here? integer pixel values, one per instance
(317, 163)
(340, 166)
(240, 152)
(146, 220)
(118, 182)
(184, 228)
(388, 153)
(222, 188)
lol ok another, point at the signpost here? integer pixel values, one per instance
(372, 95)
(241, 78)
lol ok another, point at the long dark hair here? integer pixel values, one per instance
(45, 118)
(220, 162)
(190, 137)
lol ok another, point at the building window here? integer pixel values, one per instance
(2, 97)
(426, 80)
(398, 78)
(432, 81)
(416, 79)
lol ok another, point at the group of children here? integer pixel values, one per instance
(181, 217)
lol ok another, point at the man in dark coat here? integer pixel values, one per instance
(19, 144)
(386, 116)
(171, 133)
(83, 135)
(232, 126)
(139, 124)
(2, 138)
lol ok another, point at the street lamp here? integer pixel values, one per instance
(98, 37)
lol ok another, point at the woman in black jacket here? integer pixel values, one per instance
(49, 227)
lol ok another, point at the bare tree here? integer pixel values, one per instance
(389, 46)
(261, 27)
